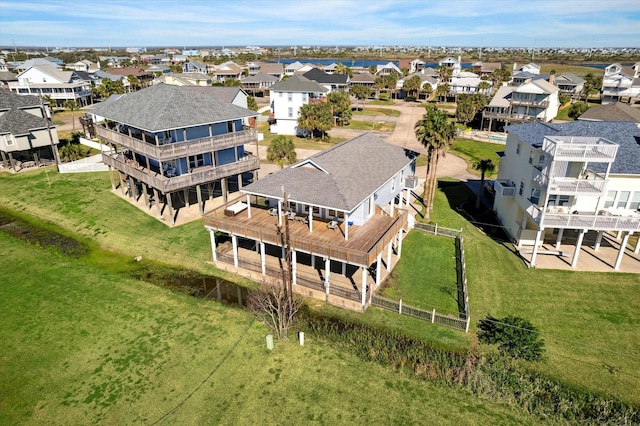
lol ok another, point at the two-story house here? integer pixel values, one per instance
(537, 100)
(566, 180)
(621, 83)
(226, 71)
(84, 65)
(27, 137)
(172, 143)
(343, 215)
(286, 98)
(258, 84)
(59, 86)
(332, 82)
(569, 84)
(195, 66)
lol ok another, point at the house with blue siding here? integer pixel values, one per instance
(344, 212)
(171, 144)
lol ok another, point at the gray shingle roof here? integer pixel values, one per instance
(9, 100)
(18, 122)
(164, 107)
(341, 177)
(612, 112)
(260, 78)
(322, 77)
(624, 133)
(298, 83)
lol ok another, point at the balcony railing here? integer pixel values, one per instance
(567, 186)
(530, 102)
(504, 188)
(198, 176)
(171, 151)
(508, 116)
(591, 221)
(586, 149)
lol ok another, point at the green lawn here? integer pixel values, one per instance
(426, 285)
(371, 125)
(474, 151)
(302, 143)
(380, 102)
(377, 111)
(573, 69)
(84, 346)
(590, 321)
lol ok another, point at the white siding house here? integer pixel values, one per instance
(286, 98)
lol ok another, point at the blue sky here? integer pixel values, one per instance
(528, 23)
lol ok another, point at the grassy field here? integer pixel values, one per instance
(302, 143)
(377, 111)
(83, 346)
(474, 151)
(563, 113)
(589, 321)
(371, 125)
(570, 69)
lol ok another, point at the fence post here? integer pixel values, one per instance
(466, 328)
(433, 316)
(436, 229)
(400, 307)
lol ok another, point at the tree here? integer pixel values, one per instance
(378, 84)
(577, 109)
(343, 69)
(252, 104)
(434, 132)
(483, 86)
(427, 89)
(465, 111)
(442, 90)
(70, 151)
(316, 118)
(134, 83)
(514, 336)
(232, 82)
(484, 166)
(444, 73)
(412, 85)
(281, 148)
(592, 84)
(341, 107)
(373, 69)
(72, 105)
(360, 92)
(110, 87)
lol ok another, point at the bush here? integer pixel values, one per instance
(564, 99)
(577, 110)
(514, 336)
(410, 99)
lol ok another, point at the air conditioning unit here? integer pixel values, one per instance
(411, 182)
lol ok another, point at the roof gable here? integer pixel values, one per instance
(298, 83)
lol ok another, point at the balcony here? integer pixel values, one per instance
(504, 188)
(507, 116)
(600, 222)
(172, 151)
(578, 187)
(530, 102)
(198, 176)
(580, 149)
(362, 248)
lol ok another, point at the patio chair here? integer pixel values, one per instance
(333, 224)
(273, 211)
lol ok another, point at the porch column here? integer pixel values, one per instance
(249, 205)
(364, 286)
(559, 238)
(119, 178)
(185, 193)
(234, 243)
(576, 253)
(156, 195)
(535, 248)
(263, 259)
(393, 204)
(407, 200)
(145, 193)
(280, 212)
(313, 261)
(113, 183)
(637, 249)
(200, 203)
(399, 245)
(378, 268)
(618, 235)
(212, 235)
(623, 245)
(327, 273)
(225, 190)
(389, 253)
(310, 218)
(170, 204)
(239, 181)
(294, 267)
(596, 246)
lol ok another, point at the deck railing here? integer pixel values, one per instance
(591, 221)
(171, 151)
(169, 184)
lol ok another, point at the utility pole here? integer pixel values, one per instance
(286, 268)
(54, 150)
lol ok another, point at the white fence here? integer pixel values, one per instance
(89, 164)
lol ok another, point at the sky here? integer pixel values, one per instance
(191, 23)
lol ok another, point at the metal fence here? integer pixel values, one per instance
(431, 316)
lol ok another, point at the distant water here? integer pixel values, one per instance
(599, 66)
(350, 63)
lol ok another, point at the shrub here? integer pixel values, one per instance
(410, 99)
(577, 109)
(514, 336)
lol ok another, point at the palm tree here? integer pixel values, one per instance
(71, 105)
(483, 86)
(134, 83)
(435, 132)
(281, 148)
(484, 166)
(412, 84)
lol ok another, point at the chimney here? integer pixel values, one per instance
(515, 65)
(552, 78)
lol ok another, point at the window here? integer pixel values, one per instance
(196, 161)
(279, 94)
(635, 201)
(535, 196)
(531, 157)
(305, 97)
(518, 148)
(622, 200)
(393, 184)
(611, 197)
(521, 190)
(290, 112)
(541, 160)
(289, 97)
(558, 200)
(9, 140)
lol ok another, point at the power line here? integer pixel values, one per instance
(224, 358)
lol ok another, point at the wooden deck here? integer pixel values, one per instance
(364, 243)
